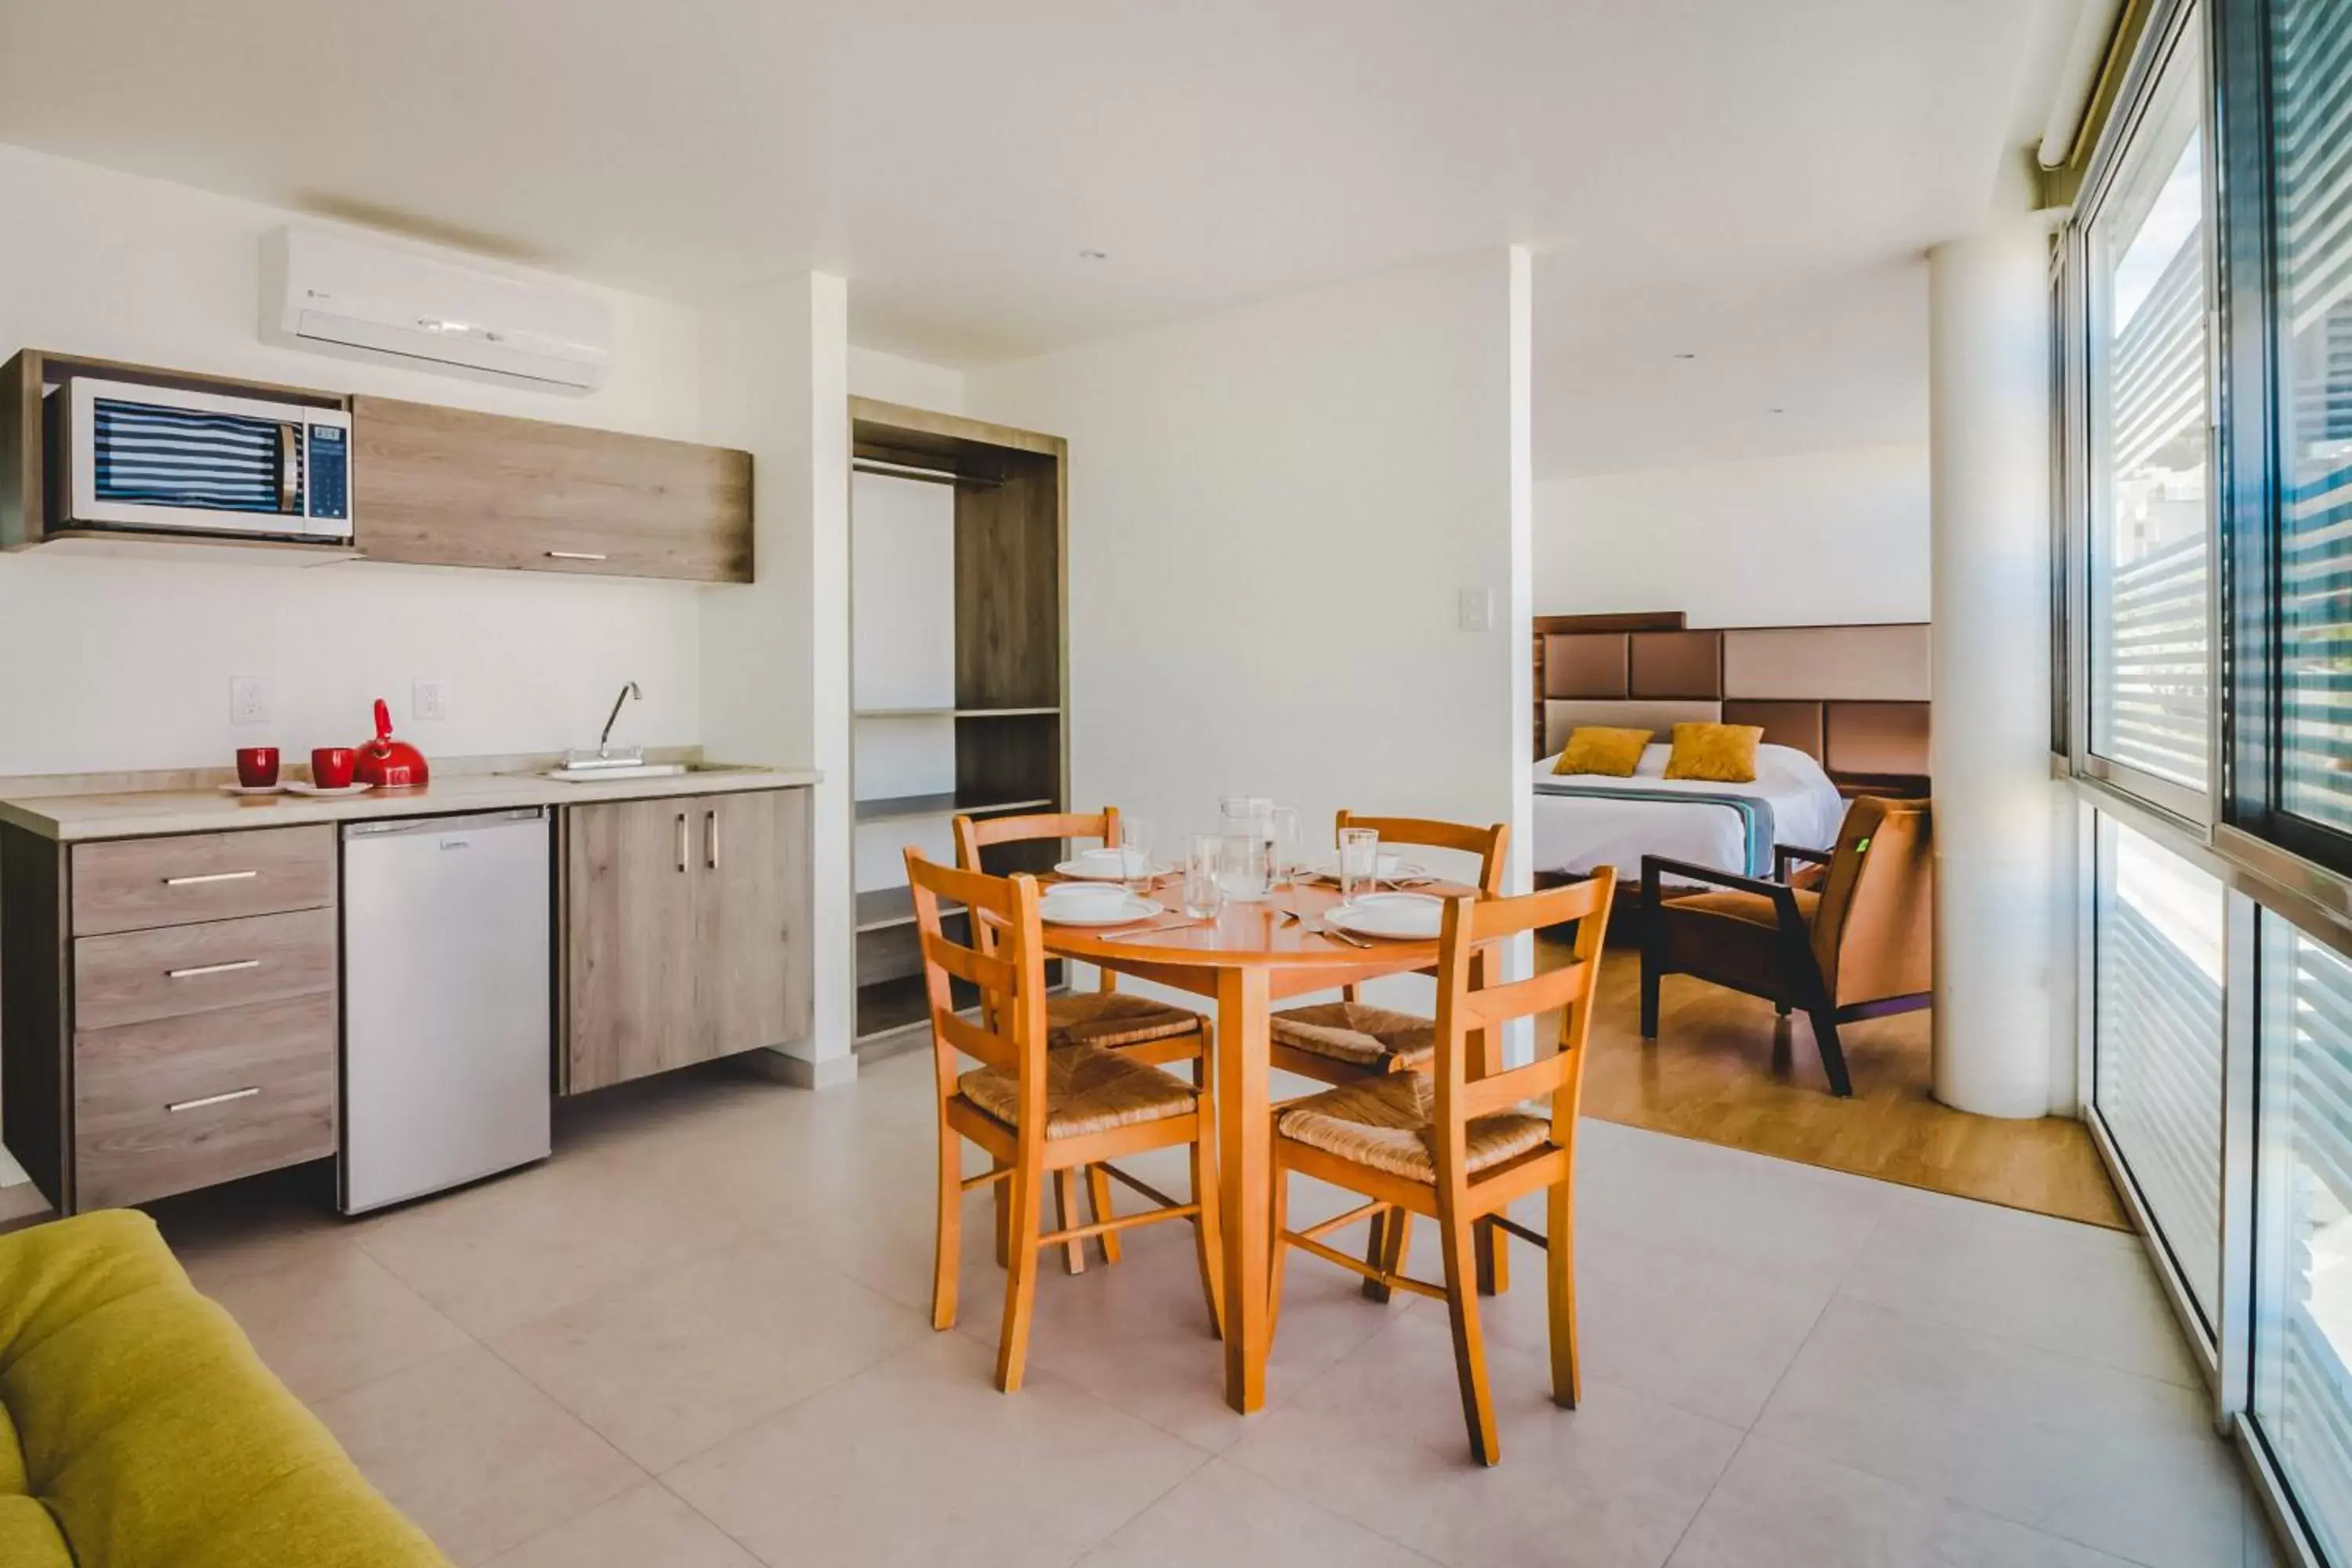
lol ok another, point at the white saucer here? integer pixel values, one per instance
(1128, 910)
(253, 789)
(1077, 871)
(1399, 916)
(314, 789)
(1391, 867)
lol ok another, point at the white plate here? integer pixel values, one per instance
(253, 789)
(1401, 917)
(1128, 910)
(1077, 871)
(314, 789)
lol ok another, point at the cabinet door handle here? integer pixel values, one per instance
(681, 841)
(213, 1100)
(210, 877)
(710, 840)
(577, 555)
(211, 969)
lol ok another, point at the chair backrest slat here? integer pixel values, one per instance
(988, 973)
(1488, 843)
(984, 1045)
(1470, 1005)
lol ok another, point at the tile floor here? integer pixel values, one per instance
(698, 1338)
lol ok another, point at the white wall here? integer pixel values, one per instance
(1272, 509)
(126, 664)
(894, 378)
(1819, 539)
(776, 654)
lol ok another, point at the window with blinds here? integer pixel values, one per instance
(2157, 926)
(2302, 1394)
(2312, 137)
(2151, 687)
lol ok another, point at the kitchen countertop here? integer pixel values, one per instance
(54, 810)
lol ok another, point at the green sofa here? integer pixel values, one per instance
(139, 1430)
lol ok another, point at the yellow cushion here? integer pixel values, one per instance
(1719, 753)
(1597, 749)
(28, 1536)
(151, 1432)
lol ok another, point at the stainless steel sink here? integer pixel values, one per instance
(601, 772)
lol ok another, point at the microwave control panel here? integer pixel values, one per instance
(330, 471)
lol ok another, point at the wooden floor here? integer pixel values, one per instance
(1722, 1071)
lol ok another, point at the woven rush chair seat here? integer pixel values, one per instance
(1358, 1034)
(1088, 1090)
(1385, 1123)
(1110, 1019)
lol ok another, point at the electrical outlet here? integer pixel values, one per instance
(429, 698)
(249, 700)
(1477, 609)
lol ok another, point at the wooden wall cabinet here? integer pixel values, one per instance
(449, 487)
(686, 932)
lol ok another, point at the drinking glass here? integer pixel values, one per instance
(1242, 867)
(1203, 898)
(1135, 842)
(1282, 844)
(1360, 860)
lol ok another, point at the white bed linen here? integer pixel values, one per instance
(1576, 833)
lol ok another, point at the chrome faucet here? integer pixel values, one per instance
(604, 740)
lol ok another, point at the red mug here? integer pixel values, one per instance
(256, 766)
(331, 766)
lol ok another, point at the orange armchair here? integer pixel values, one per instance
(1861, 945)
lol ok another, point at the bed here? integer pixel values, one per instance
(1844, 710)
(1583, 820)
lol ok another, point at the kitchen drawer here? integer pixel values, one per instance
(134, 884)
(177, 1103)
(174, 971)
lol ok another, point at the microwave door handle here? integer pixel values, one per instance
(289, 473)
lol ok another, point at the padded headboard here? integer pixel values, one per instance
(1855, 697)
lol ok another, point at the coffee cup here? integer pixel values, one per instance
(331, 766)
(256, 766)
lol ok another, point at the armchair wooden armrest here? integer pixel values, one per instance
(1784, 853)
(1690, 870)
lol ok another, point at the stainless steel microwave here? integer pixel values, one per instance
(158, 458)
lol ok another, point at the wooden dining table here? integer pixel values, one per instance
(1245, 960)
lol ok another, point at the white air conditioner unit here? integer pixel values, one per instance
(361, 293)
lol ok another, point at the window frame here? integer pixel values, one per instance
(2197, 810)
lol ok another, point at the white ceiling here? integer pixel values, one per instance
(1749, 181)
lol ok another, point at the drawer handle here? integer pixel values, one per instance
(210, 877)
(215, 1099)
(211, 969)
(577, 555)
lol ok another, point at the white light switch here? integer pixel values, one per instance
(1477, 609)
(249, 700)
(429, 698)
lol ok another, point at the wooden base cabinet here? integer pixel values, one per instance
(685, 932)
(169, 1017)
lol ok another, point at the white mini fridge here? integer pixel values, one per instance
(447, 1003)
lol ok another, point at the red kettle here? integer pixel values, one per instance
(388, 763)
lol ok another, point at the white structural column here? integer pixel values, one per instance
(775, 654)
(1988, 346)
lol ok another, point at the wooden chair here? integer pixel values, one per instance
(1861, 945)
(1137, 1028)
(1351, 1040)
(1459, 1143)
(1039, 1111)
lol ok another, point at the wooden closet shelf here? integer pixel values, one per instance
(955, 712)
(903, 807)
